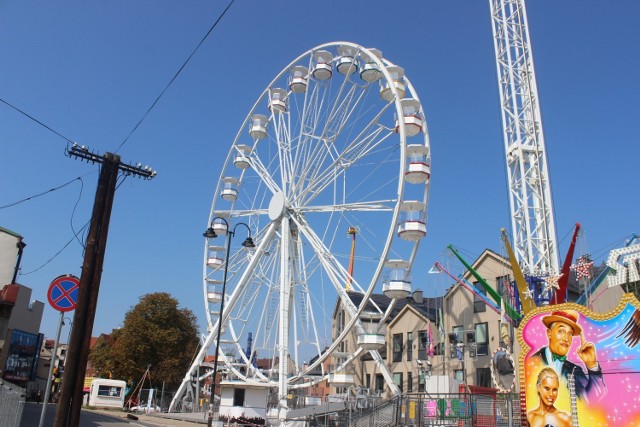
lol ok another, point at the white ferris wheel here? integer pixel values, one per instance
(337, 140)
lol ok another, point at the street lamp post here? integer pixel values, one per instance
(248, 243)
(70, 326)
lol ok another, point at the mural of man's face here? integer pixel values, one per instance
(560, 337)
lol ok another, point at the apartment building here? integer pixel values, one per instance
(472, 327)
(406, 344)
(430, 344)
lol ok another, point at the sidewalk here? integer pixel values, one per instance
(157, 419)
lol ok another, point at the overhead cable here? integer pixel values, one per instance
(175, 76)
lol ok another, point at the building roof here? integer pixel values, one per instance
(12, 233)
(426, 306)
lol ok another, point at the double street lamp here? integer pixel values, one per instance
(248, 244)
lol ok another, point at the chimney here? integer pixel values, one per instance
(417, 296)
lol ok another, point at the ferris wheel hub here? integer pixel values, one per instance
(276, 206)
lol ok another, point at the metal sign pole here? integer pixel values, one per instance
(53, 362)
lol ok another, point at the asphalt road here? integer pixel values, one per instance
(91, 418)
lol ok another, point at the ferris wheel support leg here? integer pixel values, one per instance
(196, 362)
(285, 295)
(385, 372)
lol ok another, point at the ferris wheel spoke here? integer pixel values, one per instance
(323, 178)
(325, 144)
(303, 316)
(334, 270)
(376, 205)
(246, 275)
(246, 311)
(326, 121)
(263, 173)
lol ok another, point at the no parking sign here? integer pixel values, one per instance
(63, 292)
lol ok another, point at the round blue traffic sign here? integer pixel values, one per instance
(63, 292)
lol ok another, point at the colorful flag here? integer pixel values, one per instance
(430, 351)
(441, 326)
(504, 328)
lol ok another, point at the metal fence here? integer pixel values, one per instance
(461, 410)
(12, 400)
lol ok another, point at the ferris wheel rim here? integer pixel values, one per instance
(262, 212)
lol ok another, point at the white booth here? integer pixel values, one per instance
(106, 393)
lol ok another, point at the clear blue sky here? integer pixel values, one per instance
(90, 70)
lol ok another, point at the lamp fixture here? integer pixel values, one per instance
(210, 233)
(248, 243)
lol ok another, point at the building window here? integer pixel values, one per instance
(409, 346)
(409, 382)
(483, 377)
(421, 382)
(455, 351)
(459, 331)
(479, 305)
(423, 344)
(368, 381)
(482, 339)
(238, 397)
(379, 383)
(397, 347)
(438, 349)
(397, 379)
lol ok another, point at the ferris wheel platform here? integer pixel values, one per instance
(325, 408)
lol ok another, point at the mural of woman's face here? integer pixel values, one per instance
(548, 390)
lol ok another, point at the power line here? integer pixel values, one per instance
(144, 116)
(73, 212)
(57, 253)
(75, 233)
(45, 192)
(35, 120)
(29, 116)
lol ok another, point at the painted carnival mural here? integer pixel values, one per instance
(581, 368)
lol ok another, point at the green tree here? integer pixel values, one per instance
(156, 333)
(101, 357)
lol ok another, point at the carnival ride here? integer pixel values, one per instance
(534, 257)
(339, 137)
(530, 201)
(534, 254)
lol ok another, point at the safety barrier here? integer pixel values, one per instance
(450, 409)
(12, 400)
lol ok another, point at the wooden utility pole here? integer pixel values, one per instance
(70, 401)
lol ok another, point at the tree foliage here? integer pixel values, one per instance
(156, 333)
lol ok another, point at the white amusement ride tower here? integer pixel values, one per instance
(532, 218)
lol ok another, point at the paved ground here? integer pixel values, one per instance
(157, 420)
(110, 418)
